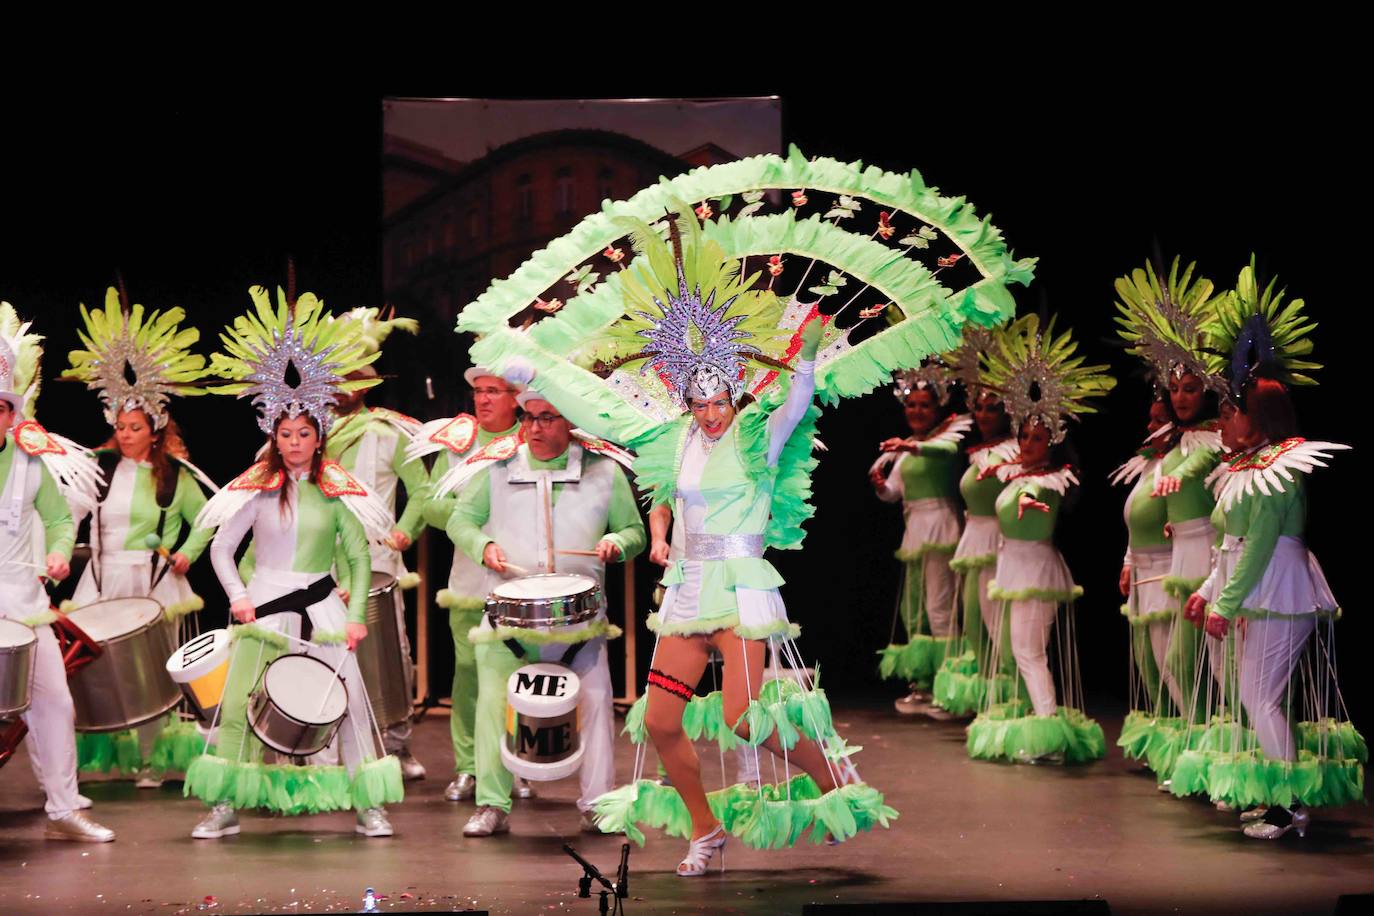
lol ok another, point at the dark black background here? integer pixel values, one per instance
(195, 196)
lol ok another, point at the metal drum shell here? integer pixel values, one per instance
(283, 732)
(548, 612)
(128, 684)
(380, 656)
(16, 675)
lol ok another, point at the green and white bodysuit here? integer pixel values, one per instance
(961, 684)
(452, 441)
(298, 542)
(1031, 583)
(131, 512)
(927, 485)
(1272, 590)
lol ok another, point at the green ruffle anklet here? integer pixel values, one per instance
(109, 752)
(1006, 732)
(1248, 778)
(783, 707)
(766, 817)
(176, 748)
(289, 789)
(917, 661)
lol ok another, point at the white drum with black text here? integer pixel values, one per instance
(542, 740)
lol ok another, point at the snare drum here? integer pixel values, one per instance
(18, 645)
(199, 668)
(544, 601)
(543, 738)
(297, 705)
(380, 656)
(128, 684)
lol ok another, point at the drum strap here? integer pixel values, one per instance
(298, 601)
(566, 659)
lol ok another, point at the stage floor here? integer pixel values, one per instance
(968, 831)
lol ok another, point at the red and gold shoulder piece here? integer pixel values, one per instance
(496, 450)
(1265, 457)
(458, 434)
(336, 482)
(258, 478)
(36, 441)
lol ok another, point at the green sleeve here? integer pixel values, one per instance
(939, 448)
(190, 499)
(1198, 464)
(1261, 536)
(416, 481)
(625, 529)
(58, 527)
(438, 508)
(353, 542)
(471, 511)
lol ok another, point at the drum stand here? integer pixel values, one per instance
(620, 888)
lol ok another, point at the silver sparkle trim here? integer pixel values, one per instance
(273, 396)
(701, 546)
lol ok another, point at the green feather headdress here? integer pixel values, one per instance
(27, 350)
(265, 346)
(1254, 331)
(1040, 378)
(136, 360)
(965, 361)
(1163, 322)
(374, 328)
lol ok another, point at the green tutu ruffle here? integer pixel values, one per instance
(767, 817)
(1005, 731)
(289, 789)
(783, 707)
(119, 753)
(1157, 741)
(917, 661)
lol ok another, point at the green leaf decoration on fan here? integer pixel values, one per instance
(266, 347)
(134, 359)
(1289, 329)
(1163, 323)
(28, 355)
(1040, 378)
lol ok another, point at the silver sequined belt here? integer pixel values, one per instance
(723, 546)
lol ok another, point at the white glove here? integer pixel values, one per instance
(518, 371)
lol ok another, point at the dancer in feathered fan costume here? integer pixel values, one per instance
(678, 334)
(921, 472)
(1043, 386)
(1266, 597)
(40, 474)
(142, 537)
(299, 506)
(1168, 513)
(962, 682)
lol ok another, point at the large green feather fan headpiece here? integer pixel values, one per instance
(23, 352)
(1254, 333)
(1039, 377)
(1162, 322)
(136, 360)
(292, 359)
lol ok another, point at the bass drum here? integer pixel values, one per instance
(18, 645)
(381, 656)
(128, 684)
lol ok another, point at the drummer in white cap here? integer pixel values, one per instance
(500, 518)
(452, 440)
(29, 492)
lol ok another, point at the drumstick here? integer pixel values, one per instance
(518, 570)
(41, 566)
(577, 553)
(330, 689)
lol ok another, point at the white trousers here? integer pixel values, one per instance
(51, 719)
(1269, 651)
(990, 610)
(596, 718)
(396, 737)
(1031, 621)
(940, 583)
(355, 736)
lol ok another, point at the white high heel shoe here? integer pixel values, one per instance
(700, 851)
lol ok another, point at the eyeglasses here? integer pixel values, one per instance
(544, 419)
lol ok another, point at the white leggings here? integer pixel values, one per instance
(51, 719)
(1269, 651)
(940, 583)
(1031, 621)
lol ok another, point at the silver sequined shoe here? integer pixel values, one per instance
(487, 821)
(373, 822)
(462, 788)
(78, 828)
(1267, 829)
(222, 821)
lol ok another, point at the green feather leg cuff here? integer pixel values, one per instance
(1006, 732)
(916, 661)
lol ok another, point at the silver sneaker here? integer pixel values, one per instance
(411, 769)
(147, 780)
(82, 802)
(462, 788)
(522, 789)
(78, 827)
(486, 821)
(222, 821)
(373, 822)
